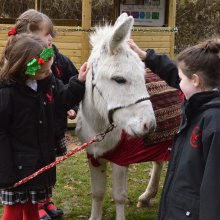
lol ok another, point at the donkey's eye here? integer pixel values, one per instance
(119, 79)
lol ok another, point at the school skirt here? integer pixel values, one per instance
(11, 197)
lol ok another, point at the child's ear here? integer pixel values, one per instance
(196, 80)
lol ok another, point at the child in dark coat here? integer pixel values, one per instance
(193, 177)
(28, 92)
(39, 24)
(63, 69)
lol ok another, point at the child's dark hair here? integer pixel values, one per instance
(20, 51)
(202, 59)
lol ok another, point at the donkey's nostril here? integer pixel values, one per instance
(146, 127)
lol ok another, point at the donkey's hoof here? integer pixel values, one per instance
(143, 204)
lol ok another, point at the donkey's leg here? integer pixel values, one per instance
(153, 186)
(119, 175)
(98, 184)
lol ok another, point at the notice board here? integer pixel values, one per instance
(145, 12)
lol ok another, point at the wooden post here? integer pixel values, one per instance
(116, 8)
(86, 25)
(172, 24)
(38, 5)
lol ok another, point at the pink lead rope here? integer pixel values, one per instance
(44, 169)
(97, 138)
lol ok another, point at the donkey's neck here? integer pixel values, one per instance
(92, 123)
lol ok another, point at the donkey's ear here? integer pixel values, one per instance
(121, 19)
(121, 31)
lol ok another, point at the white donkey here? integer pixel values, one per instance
(115, 93)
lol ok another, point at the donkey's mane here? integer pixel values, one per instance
(100, 34)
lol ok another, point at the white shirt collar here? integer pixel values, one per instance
(32, 84)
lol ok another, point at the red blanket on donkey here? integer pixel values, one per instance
(166, 103)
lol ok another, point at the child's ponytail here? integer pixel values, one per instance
(11, 35)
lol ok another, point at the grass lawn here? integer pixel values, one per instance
(72, 191)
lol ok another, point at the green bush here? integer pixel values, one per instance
(196, 20)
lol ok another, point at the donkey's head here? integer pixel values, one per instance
(116, 81)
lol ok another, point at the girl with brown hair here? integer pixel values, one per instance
(27, 115)
(193, 177)
(39, 24)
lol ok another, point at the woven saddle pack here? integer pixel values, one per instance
(166, 103)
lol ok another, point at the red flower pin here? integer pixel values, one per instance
(40, 60)
(13, 31)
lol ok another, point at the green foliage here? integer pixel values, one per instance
(59, 9)
(12, 9)
(196, 20)
(65, 9)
